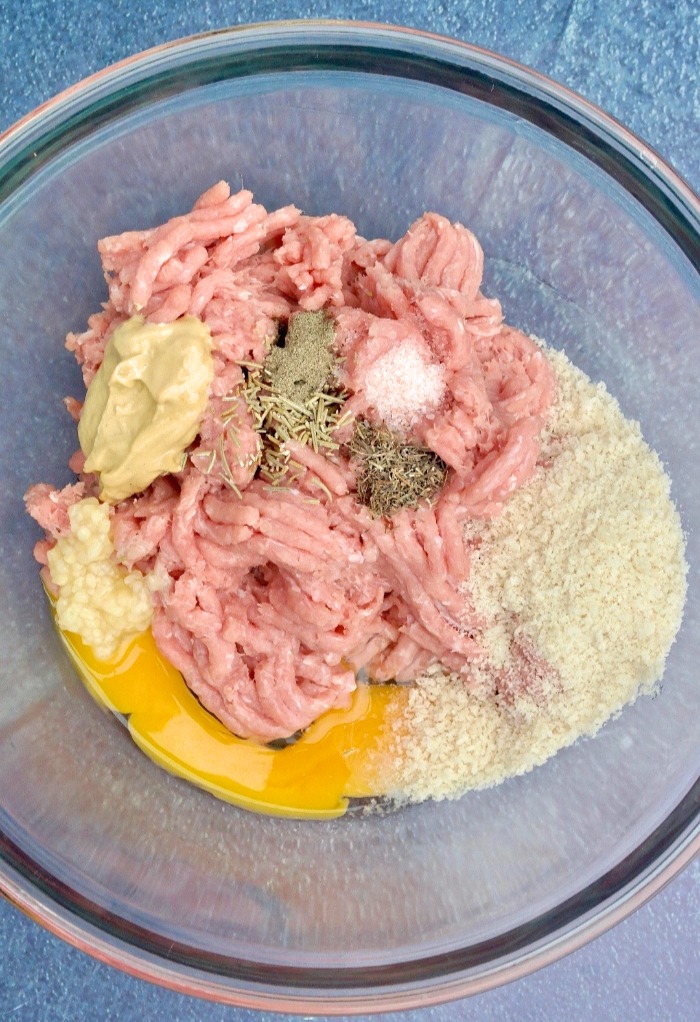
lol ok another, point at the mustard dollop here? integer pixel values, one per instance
(144, 405)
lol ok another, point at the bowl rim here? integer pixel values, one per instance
(674, 204)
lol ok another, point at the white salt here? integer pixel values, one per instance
(403, 386)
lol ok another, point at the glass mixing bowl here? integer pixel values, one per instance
(592, 243)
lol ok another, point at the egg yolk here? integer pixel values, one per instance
(313, 778)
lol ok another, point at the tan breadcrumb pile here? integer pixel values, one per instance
(586, 566)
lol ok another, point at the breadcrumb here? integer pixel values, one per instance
(586, 565)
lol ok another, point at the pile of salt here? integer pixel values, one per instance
(403, 386)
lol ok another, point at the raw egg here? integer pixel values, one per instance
(333, 761)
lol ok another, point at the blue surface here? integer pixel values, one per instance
(640, 62)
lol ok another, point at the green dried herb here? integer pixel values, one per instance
(393, 474)
(291, 395)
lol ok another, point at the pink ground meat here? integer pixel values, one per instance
(272, 601)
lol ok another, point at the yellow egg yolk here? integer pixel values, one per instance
(313, 778)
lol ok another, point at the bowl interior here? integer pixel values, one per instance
(575, 259)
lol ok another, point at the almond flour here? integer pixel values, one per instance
(585, 567)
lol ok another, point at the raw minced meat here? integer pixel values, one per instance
(271, 600)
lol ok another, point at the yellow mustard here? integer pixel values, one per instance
(143, 408)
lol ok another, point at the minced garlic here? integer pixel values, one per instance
(97, 599)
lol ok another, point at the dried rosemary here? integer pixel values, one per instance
(291, 395)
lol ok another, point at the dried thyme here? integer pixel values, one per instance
(393, 474)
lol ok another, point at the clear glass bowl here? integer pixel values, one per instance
(592, 243)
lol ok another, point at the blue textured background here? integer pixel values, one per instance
(640, 61)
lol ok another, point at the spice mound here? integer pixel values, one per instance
(333, 429)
